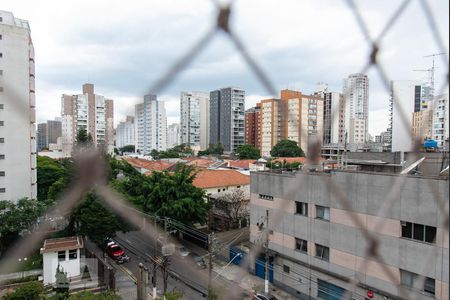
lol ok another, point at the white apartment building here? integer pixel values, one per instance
(406, 98)
(17, 110)
(194, 119)
(150, 125)
(270, 125)
(440, 119)
(125, 133)
(88, 111)
(356, 97)
(173, 135)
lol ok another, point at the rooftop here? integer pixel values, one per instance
(150, 165)
(65, 243)
(219, 178)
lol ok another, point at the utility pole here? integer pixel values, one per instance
(210, 248)
(266, 281)
(155, 253)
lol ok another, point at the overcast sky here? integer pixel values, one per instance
(123, 47)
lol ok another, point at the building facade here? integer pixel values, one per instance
(422, 124)
(173, 135)
(405, 100)
(17, 110)
(194, 119)
(270, 125)
(48, 133)
(440, 120)
(333, 117)
(125, 133)
(253, 126)
(318, 245)
(151, 125)
(356, 99)
(41, 136)
(91, 112)
(227, 116)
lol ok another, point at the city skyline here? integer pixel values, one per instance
(95, 49)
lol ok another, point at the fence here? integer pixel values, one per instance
(91, 171)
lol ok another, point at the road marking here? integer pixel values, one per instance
(128, 272)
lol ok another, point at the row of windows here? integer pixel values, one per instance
(322, 252)
(415, 281)
(322, 212)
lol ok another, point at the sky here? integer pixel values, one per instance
(125, 47)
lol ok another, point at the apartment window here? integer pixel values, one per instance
(2, 173)
(322, 212)
(73, 254)
(301, 245)
(322, 252)
(2, 140)
(61, 255)
(301, 208)
(2, 156)
(418, 232)
(416, 281)
(2, 123)
(286, 269)
(2, 190)
(265, 197)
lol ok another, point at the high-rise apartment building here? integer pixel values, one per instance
(356, 99)
(294, 116)
(253, 126)
(125, 133)
(48, 133)
(440, 131)
(422, 124)
(88, 111)
(17, 110)
(173, 135)
(194, 119)
(405, 99)
(270, 125)
(150, 125)
(227, 116)
(333, 115)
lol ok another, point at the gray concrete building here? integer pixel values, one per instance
(41, 136)
(320, 227)
(227, 116)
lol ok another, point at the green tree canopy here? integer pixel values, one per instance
(247, 151)
(16, 217)
(94, 220)
(32, 290)
(287, 148)
(127, 149)
(214, 149)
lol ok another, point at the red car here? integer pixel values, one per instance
(116, 252)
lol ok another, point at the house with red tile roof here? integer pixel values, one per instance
(219, 181)
(145, 166)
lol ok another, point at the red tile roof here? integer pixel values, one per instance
(65, 243)
(241, 164)
(200, 162)
(218, 178)
(151, 165)
(302, 160)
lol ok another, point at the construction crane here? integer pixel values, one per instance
(431, 72)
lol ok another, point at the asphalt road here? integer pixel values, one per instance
(185, 276)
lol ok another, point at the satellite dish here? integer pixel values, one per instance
(412, 166)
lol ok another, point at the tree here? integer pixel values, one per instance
(154, 154)
(127, 149)
(84, 141)
(48, 172)
(17, 217)
(287, 148)
(32, 290)
(98, 296)
(248, 151)
(233, 205)
(94, 220)
(214, 149)
(175, 295)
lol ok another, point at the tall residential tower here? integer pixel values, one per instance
(356, 97)
(17, 110)
(194, 119)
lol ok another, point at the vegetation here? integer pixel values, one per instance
(216, 149)
(15, 218)
(52, 177)
(283, 165)
(32, 290)
(235, 207)
(175, 152)
(212, 295)
(175, 295)
(248, 151)
(126, 149)
(287, 148)
(166, 194)
(108, 295)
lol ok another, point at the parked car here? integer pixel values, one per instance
(199, 261)
(264, 296)
(116, 252)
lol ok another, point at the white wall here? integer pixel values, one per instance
(50, 263)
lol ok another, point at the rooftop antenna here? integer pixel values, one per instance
(431, 72)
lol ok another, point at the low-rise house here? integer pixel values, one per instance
(144, 166)
(63, 253)
(218, 181)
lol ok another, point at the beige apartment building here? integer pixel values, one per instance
(422, 125)
(320, 239)
(294, 116)
(88, 111)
